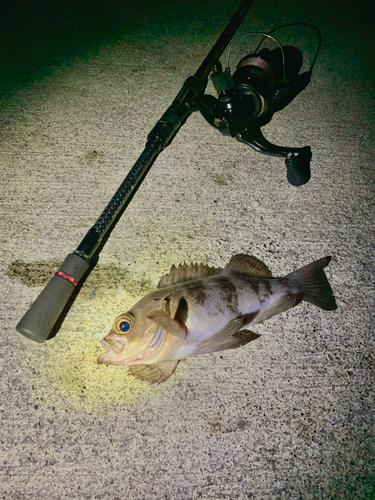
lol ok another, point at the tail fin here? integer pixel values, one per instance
(313, 282)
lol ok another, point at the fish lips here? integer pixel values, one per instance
(116, 353)
(115, 345)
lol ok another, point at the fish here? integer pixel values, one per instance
(197, 309)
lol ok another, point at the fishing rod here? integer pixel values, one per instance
(262, 84)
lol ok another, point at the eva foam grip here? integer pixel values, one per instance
(40, 318)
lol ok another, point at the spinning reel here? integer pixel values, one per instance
(264, 81)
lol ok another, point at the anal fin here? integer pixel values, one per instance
(154, 374)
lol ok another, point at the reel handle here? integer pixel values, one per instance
(40, 318)
(298, 167)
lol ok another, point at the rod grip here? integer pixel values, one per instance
(40, 318)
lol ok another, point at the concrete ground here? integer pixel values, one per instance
(289, 416)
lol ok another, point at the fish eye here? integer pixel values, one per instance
(124, 323)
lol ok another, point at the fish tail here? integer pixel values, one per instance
(313, 282)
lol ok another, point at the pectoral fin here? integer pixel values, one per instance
(171, 325)
(224, 339)
(154, 374)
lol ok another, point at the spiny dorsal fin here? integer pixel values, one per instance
(186, 272)
(243, 263)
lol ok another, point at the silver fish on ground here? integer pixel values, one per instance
(199, 309)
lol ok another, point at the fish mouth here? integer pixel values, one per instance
(115, 347)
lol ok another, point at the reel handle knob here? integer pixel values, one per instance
(298, 167)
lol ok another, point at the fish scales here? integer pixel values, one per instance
(198, 309)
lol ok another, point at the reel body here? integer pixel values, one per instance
(264, 82)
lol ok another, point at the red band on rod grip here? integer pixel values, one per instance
(68, 277)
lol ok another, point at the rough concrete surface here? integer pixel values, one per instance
(289, 416)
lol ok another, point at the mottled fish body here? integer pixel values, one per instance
(198, 309)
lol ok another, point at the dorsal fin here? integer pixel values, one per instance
(243, 263)
(186, 272)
